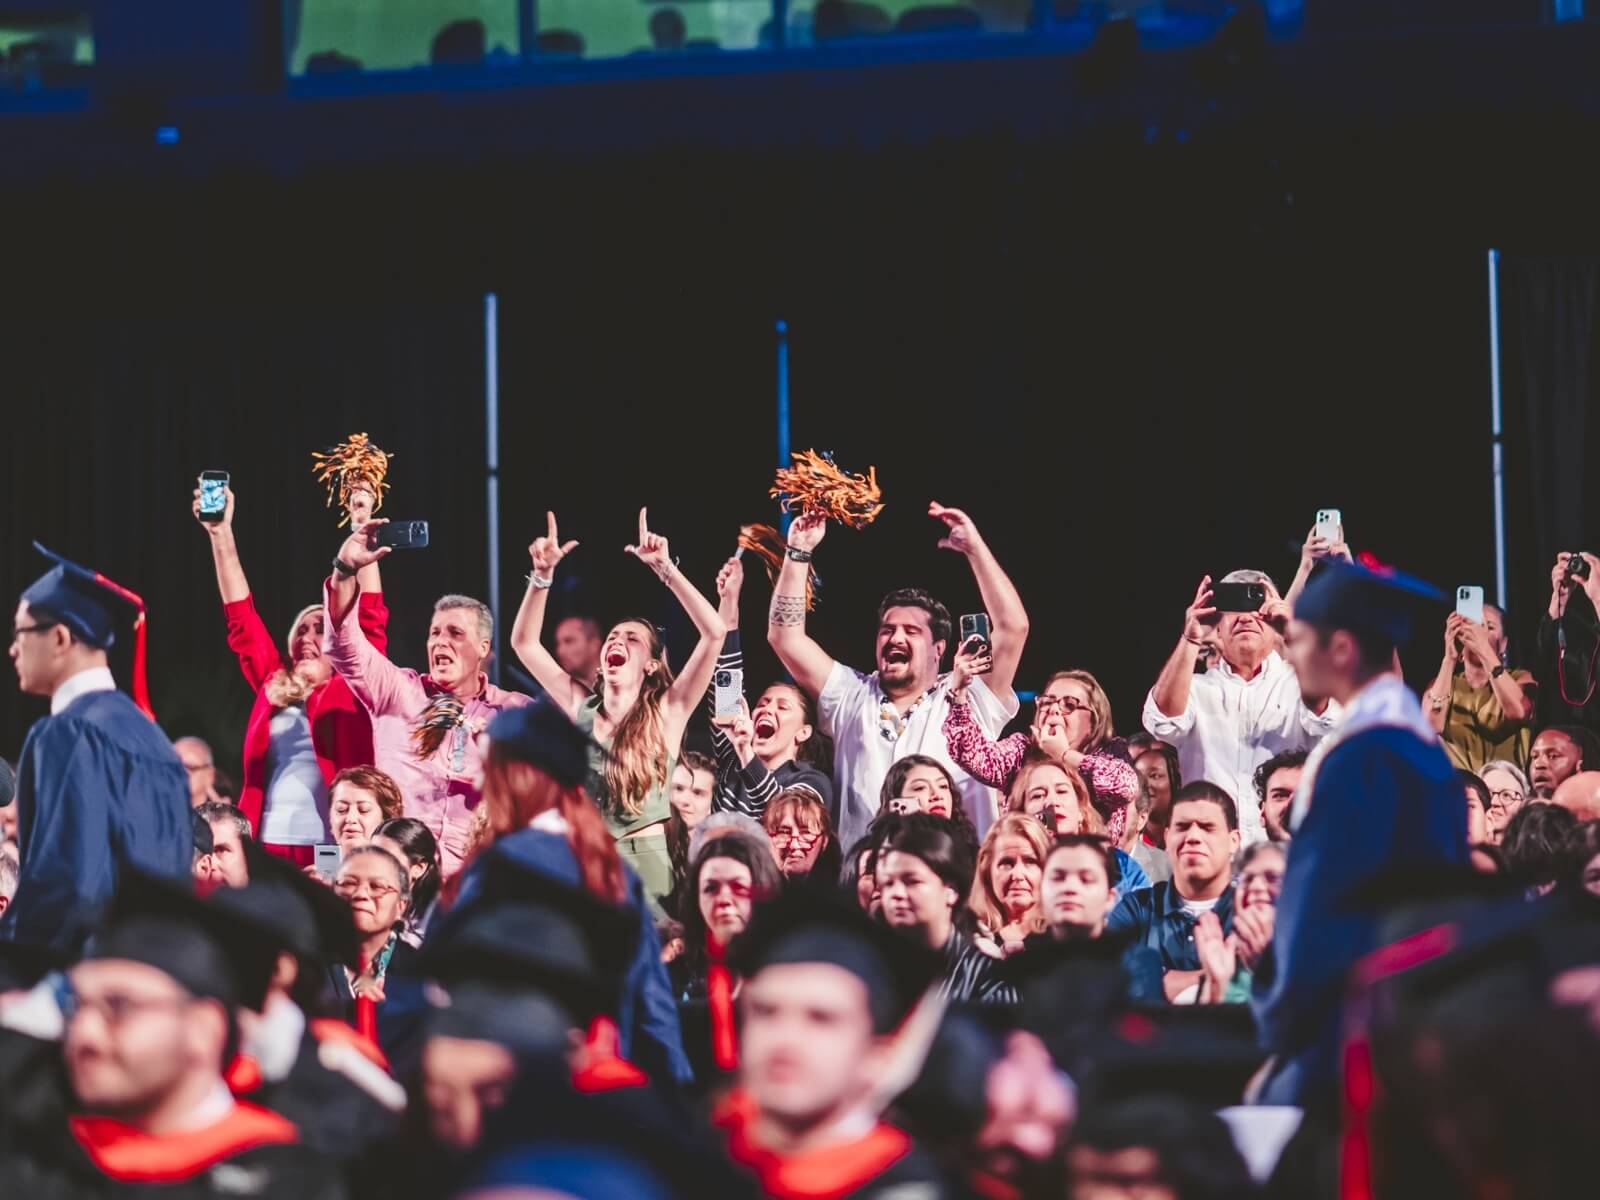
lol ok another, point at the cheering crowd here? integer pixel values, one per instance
(1295, 931)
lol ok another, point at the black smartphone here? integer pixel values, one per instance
(1238, 597)
(974, 625)
(403, 535)
(213, 495)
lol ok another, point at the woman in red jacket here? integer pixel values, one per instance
(306, 726)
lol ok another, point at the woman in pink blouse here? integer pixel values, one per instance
(1071, 725)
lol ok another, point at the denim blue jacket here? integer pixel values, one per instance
(1154, 916)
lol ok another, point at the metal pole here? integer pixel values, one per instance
(1498, 440)
(783, 406)
(491, 425)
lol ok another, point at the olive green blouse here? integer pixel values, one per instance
(1476, 729)
(657, 805)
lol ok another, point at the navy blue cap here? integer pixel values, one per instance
(91, 606)
(542, 735)
(1385, 602)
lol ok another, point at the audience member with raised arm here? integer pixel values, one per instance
(774, 746)
(425, 725)
(638, 714)
(1246, 708)
(1482, 709)
(899, 708)
(305, 726)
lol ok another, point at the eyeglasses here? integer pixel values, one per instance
(1067, 704)
(19, 630)
(1508, 796)
(117, 1008)
(377, 889)
(1270, 878)
(804, 836)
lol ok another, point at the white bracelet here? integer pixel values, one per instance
(540, 583)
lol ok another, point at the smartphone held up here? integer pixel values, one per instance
(213, 496)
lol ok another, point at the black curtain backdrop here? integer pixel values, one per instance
(1550, 327)
(1132, 367)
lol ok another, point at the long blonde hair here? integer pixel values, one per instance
(284, 687)
(637, 762)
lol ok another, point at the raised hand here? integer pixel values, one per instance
(361, 548)
(962, 535)
(1252, 932)
(1316, 547)
(362, 503)
(1452, 637)
(1200, 618)
(1475, 640)
(973, 659)
(740, 730)
(215, 528)
(1216, 953)
(730, 581)
(651, 548)
(806, 531)
(547, 551)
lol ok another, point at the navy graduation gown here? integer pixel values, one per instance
(98, 785)
(1381, 801)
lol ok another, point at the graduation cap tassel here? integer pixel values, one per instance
(140, 684)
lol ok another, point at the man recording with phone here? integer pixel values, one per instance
(424, 726)
(1249, 706)
(899, 709)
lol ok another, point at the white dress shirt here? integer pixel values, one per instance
(91, 679)
(868, 738)
(1232, 726)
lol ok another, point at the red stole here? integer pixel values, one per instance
(719, 1003)
(826, 1173)
(129, 1155)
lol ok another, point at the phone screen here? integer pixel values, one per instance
(213, 493)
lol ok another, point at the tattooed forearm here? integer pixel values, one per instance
(787, 611)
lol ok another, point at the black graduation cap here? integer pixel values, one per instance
(290, 911)
(1365, 599)
(93, 608)
(1205, 1054)
(541, 734)
(161, 922)
(525, 929)
(806, 925)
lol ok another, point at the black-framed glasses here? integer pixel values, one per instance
(18, 630)
(1067, 704)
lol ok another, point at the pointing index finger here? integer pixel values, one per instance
(644, 525)
(550, 519)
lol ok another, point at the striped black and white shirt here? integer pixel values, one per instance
(749, 788)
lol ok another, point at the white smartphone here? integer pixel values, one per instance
(1469, 603)
(728, 691)
(1330, 525)
(326, 862)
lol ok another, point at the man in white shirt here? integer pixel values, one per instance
(899, 709)
(1247, 708)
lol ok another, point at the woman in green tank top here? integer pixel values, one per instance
(638, 711)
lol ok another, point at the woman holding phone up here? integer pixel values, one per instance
(638, 711)
(306, 725)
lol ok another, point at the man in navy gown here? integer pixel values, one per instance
(99, 786)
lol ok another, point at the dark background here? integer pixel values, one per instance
(1139, 341)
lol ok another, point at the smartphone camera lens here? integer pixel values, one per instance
(724, 679)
